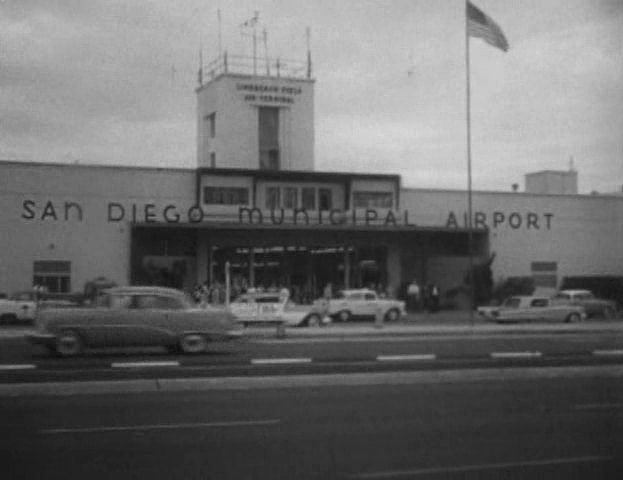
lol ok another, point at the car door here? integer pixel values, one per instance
(105, 324)
(370, 304)
(149, 320)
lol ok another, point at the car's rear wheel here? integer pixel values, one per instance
(8, 318)
(68, 343)
(572, 318)
(193, 343)
(392, 315)
(344, 316)
(313, 320)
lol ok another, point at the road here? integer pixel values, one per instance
(543, 423)
(326, 350)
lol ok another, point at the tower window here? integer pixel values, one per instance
(268, 121)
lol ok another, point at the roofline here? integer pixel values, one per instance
(299, 174)
(27, 163)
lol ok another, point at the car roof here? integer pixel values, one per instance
(357, 290)
(147, 289)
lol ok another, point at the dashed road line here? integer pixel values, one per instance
(607, 353)
(145, 364)
(406, 358)
(516, 354)
(173, 426)
(279, 361)
(23, 366)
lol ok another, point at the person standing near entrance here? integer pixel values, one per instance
(413, 296)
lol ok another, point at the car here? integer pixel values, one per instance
(594, 307)
(134, 316)
(364, 303)
(532, 308)
(17, 308)
(276, 307)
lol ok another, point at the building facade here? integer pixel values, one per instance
(256, 202)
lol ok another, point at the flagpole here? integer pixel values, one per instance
(470, 239)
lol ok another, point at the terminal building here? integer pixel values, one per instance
(256, 201)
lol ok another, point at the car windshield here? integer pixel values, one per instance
(512, 302)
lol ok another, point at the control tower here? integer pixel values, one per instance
(255, 113)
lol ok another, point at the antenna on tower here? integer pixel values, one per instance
(265, 38)
(309, 60)
(252, 25)
(220, 32)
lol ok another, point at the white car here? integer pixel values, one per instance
(259, 308)
(362, 303)
(19, 307)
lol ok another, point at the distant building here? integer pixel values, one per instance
(552, 182)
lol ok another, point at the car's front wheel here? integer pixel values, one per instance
(572, 318)
(344, 316)
(313, 320)
(193, 343)
(393, 315)
(68, 343)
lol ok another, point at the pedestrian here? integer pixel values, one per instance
(413, 296)
(435, 297)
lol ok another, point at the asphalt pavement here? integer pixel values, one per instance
(513, 424)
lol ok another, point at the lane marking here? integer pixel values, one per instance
(172, 426)
(516, 354)
(23, 366)
(598, 406)
(145, 364)
(607, 352)
(411, 357)
(279, 361)
(479, 467)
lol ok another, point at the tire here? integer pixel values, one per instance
(573, 318)
(193, 343)
(313, 320)
(8, 319)
(343, 316)
(392, 315)
(68, 344)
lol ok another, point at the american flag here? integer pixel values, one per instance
(480, 25)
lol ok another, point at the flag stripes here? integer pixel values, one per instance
(482, 26)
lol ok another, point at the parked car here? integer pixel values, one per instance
(532, 308)
(594, 307)
(260, 307)
(17, 308)
(134, 316)
(362, 303)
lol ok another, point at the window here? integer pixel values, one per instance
(212, 160)
(539, 302)
(53, 275)
(119, 302)
(226, 195)
(290, 197)
(273, 200)
(373, 199)
(211, 125)
(324, 199)
(308, 198)
(370, 296)
(268, 123)
(545, 274)
(159, 302)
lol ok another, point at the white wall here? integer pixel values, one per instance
(235, 103)
(34, 225)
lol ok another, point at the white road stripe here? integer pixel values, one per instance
(478, 467)
(173, 426)
(406, 358)
(607, 352)
(145, 364)
(598, 406)
(23, 366)
(279, 361)
(516, 354)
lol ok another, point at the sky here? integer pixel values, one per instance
(113, 82)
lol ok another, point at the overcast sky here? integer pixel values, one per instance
(112, 82)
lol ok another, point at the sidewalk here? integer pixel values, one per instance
(441, 323)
